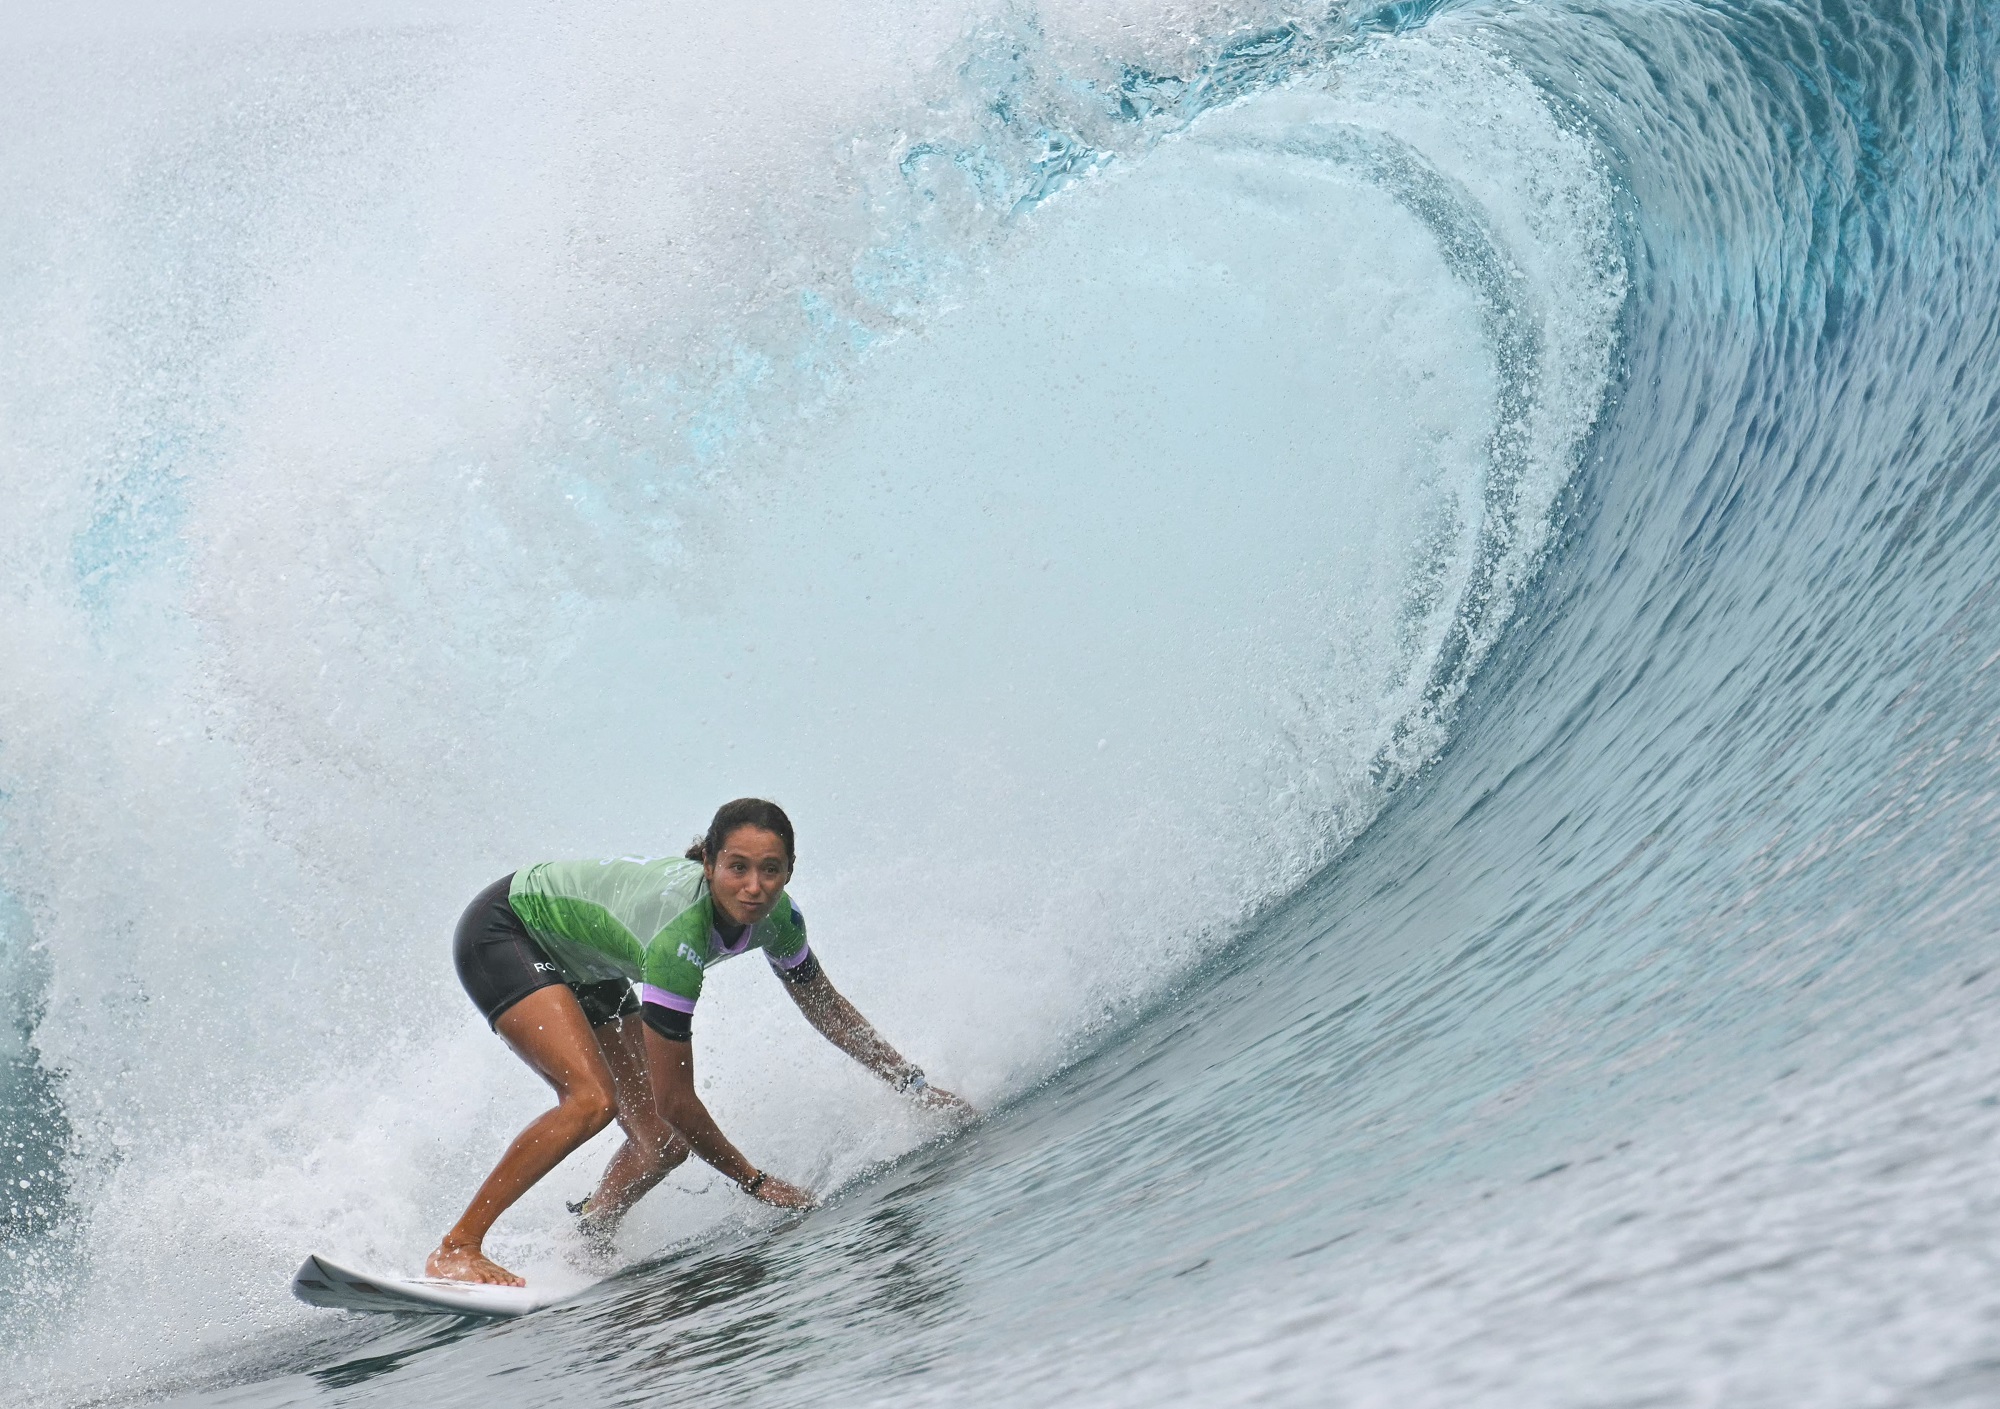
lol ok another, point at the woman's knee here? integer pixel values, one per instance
(662, 1147)
(591, 1106)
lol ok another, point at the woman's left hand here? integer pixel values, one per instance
(936, 1098)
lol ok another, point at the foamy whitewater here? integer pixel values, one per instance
(1380, 623)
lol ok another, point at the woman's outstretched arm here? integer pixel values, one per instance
(840, 1023)
(671, 1066)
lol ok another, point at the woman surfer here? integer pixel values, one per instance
(549, 955)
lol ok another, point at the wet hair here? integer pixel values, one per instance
(744, 812)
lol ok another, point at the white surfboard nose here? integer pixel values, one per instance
(322, 1282)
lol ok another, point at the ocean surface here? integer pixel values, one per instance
(1382, 624)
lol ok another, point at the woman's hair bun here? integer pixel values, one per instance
(696, 851)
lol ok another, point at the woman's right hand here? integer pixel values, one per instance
(776, 1192)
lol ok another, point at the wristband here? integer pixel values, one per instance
(755, 1182)
(911, 1080)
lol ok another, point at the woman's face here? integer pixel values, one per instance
(747, 878)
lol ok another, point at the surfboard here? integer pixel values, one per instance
(320, 1281)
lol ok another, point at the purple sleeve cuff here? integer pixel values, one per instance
(805, 953)
(665, 999)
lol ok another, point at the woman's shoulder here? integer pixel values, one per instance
(673, 877)
(656, 865)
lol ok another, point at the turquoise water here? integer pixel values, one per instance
(1380, 625)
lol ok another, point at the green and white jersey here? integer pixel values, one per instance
(650, 921)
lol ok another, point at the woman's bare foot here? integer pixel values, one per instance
(469, 1265)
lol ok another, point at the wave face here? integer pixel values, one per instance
(1381, 629)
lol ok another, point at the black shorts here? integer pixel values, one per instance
(499, 963)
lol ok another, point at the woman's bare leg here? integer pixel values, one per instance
(651, 1150)
(550, 1033)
